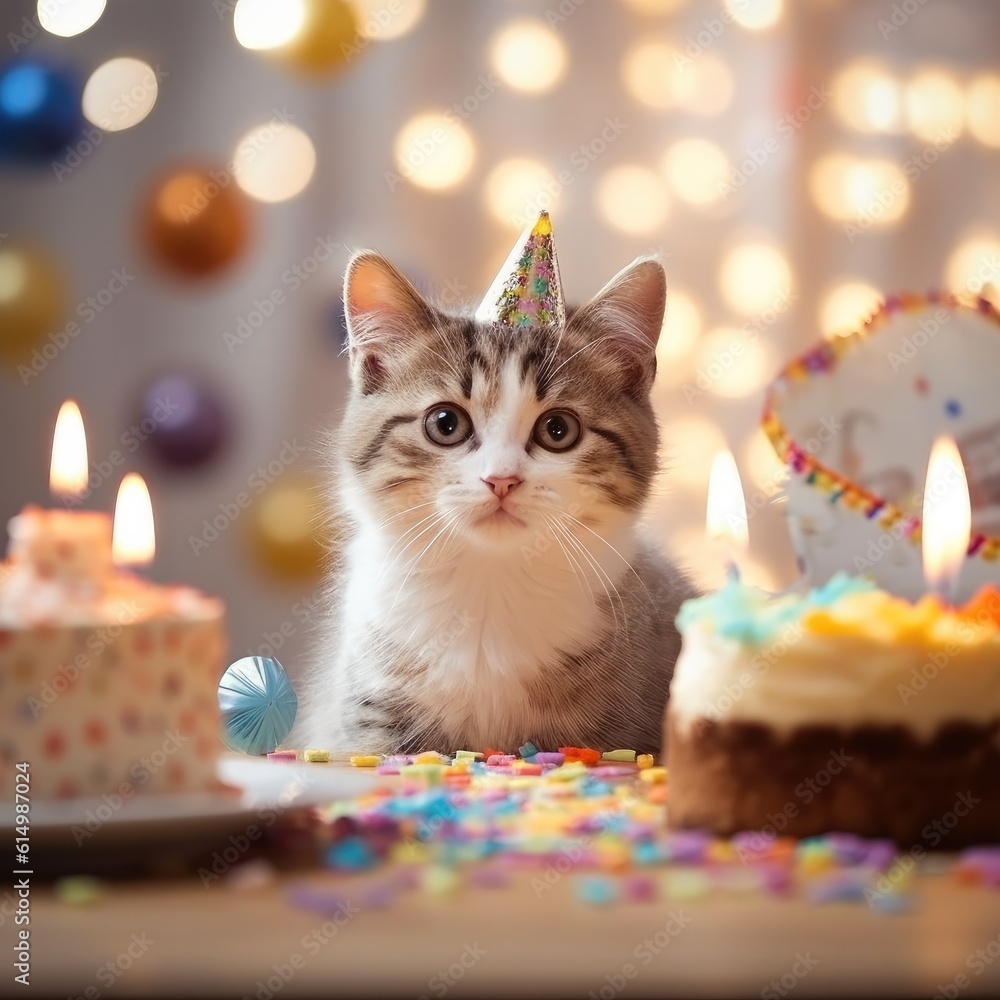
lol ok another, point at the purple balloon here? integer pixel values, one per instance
(188, 421)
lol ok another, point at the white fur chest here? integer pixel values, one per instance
(469, 615)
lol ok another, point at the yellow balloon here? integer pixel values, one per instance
(327, 41)
(33, 300)
(287, 534)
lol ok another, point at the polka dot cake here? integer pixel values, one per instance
(107, 682)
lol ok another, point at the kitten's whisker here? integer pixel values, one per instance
(578, 573)
(600, 537)
(413, 562)
(602, 572)
(403, 513)
(434, 518)
(580, 548)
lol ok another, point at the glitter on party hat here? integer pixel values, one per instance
(257, 704)
(527, 291)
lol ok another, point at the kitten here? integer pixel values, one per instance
(490, 584)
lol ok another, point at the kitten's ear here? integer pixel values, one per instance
(384, 313)
(626, 317)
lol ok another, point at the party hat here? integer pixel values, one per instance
(527, 291)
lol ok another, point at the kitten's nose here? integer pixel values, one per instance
(502, 485)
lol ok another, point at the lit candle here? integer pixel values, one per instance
(946, 519)
(68, 464)
(726, 512)
(133, 542)
(65, 547)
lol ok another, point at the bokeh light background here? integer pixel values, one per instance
(790, 161)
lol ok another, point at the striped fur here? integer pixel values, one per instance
(446, 631)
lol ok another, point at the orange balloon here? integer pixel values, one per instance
(328, 40)
(196, 220)
(33, 301)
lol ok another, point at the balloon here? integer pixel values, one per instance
(329, 38)
(40, 113)
(191, 423)
(33, 300)
(257, 704)
(196, 221)
(285, 528)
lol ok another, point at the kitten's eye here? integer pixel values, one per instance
(557, 430)
(447, 424)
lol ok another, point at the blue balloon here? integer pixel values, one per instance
(258, 705)
(40, 113)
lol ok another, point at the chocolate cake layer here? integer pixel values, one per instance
(874, 781)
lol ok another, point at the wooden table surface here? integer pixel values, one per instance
(190, 939)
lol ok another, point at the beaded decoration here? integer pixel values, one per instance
(823, 359)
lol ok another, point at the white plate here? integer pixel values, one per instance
(264, 791)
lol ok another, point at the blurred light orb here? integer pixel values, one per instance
(680, 330)
(846, 306)
(33, 300)
(196, 221)
(434, 151)
(974, 264)
(730, 364)
(697, 170)
(632, 199)
(982, 109)
(285, 528)
(39, 112)
(528, 55)
(690, 445)
(518, 189)
(704, 86)
(755, 14)
(193, 429)
(763, 465)
(120, 93)
(382, 21)
(649, 74)
(267, 24)
(327, 40)
(754, 278)
(868, 192)
(935, 106)
(867, 97)
(274, 161)
(654, 8)
(69, 17)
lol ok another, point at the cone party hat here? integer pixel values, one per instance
(527, 291)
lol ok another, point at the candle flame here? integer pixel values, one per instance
(947, 518)
(133, 541)
(68, 471)
(726, 511)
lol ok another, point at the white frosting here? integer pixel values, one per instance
(805, 678)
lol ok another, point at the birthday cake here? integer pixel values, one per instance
(845, 709)
(107, 681)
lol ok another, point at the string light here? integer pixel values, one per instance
(518, 189)
(120, 93)
(274, 162)
(680, 330)
(730, 364)
(696, 170)
(870, 192)
(69, 17)
(982, 109)
(528, 55)
(755, 14)
(755, 277)
(633, 199)
(382, 22)
(867, 97)
(267, 24)
(434, 151)
(935, 106)
(974, 264)
(846, 306)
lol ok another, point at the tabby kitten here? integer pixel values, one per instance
(490, 583)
